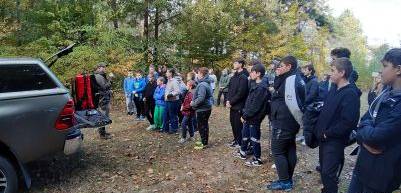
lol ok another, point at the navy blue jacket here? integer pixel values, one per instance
(339, 115)
(381, 171)
(312, 90)
(255, 108)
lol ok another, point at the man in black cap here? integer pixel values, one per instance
(104, 95)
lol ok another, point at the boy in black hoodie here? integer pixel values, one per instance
(253, 114)
(339, 116)
(286, 105)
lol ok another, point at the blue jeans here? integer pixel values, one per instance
(171, 116)
(252, 132)
(187, 125)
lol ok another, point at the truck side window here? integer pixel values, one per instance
(24, 77)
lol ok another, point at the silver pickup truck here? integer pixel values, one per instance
(36, 119)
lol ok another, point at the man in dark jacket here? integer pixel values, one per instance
(253, 114)
(104, 95)
(339, 116)
(236, 97)
(286, 116)
(378, 166)
(203, 106)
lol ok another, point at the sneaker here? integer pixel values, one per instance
(299, 138)
(199, 147)
(239, 155)
(198, 143)
(182, 140)
(150, 128)
(234, 145)
(142, 118)
(285, 185)
(105, 136)
(137, 119)
(254, 162)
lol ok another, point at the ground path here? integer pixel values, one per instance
(136, 160)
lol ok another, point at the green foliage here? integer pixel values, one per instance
(183, 33)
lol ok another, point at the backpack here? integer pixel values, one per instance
(83, 90)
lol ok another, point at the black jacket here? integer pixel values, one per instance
(381, 172)
(312, 90)
(255, 108)
(238, 90)
(339, 115)
(280, 114)
(149, 90)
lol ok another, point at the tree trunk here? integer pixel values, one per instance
(146, 30)
(155, 54)
(115, 10)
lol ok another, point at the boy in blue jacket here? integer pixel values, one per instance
(378, 166)
(139, 87)
(160, 103)
(128, 88)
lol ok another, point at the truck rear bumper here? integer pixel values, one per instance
(73, 142)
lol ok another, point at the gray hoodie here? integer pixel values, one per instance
(203, 94)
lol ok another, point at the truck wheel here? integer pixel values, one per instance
(8, 177)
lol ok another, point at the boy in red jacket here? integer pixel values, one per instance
(188, 113)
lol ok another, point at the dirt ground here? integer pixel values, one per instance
(136, 160)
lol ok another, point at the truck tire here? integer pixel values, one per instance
(8, 177)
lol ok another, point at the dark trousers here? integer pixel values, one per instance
(105, 109)
(202, 119)
(251, 132)
(236, 124)
(187, 126)
(356, 186)
(219, 97)
(331, 158)
(150, 111)
(171, 116)
(284, 153)
(140, 109)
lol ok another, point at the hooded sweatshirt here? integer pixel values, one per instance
(202, 97)
(172, 90)
(256, 104)
(139, 85)
(129, 85)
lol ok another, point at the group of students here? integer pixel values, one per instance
(292, 98)
(167, 102)
(328, 111)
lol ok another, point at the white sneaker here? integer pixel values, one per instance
(150, 128)
(182, 140)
